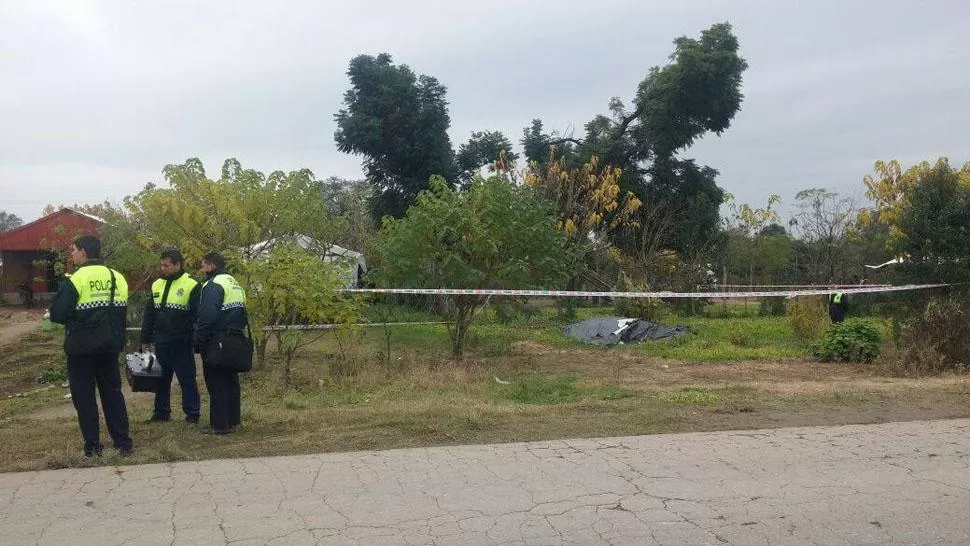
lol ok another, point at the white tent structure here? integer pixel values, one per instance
(354, 265)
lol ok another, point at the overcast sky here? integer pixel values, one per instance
(97, 96)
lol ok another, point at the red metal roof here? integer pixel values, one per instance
(54, 231)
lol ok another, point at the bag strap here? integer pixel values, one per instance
(248, 330)
(114, 286)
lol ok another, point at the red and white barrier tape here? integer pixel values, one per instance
(591, 294)
(826, 286)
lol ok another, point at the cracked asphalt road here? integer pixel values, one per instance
(899, 483)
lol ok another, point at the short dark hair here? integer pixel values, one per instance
(215, 259)
(172, 254)
(90, 244)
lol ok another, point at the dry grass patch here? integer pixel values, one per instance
(507, 390)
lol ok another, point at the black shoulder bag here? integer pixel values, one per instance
(231, 350)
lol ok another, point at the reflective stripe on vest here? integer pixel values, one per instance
(233, 296)
(93, 285)
(178, 293)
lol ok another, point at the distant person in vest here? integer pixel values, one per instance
(222, 309)
(838, 306)
(167, 329)
(92, 304)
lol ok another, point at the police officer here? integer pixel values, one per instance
(167, 328)
(838, 306)
(92, 306)
(222, 309)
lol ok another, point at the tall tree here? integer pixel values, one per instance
(826, 223)
(351, 199)
(398, 122)
(9, 220)
(698, 92)
(757, 247)
(484, 149)
(927, 210)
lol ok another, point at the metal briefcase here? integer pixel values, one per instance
(143, 371)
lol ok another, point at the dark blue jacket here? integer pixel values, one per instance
(212, 318)
(88, 331)
(169, 326)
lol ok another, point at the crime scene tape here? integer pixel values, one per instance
(753, 286)
(286, 327)
(870, 289)
(663, 294)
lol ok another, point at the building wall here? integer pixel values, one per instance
(21, 266)
(25, 250)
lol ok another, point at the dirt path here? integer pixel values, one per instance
(17, 322)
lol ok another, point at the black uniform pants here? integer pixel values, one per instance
(224, 397)
(176, 359)
(84, 374)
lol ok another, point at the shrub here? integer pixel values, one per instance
(808, 316)
(936, 341)
(772, 306)
(855, 340)
(515, 310)
(740, 337)
(53, 375)
(652, 309)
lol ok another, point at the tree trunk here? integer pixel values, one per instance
(261, 350)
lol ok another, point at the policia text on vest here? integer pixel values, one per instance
(97, 323)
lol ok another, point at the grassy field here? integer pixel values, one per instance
(380, 388)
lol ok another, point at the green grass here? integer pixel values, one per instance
(537, 389)
(36, 353)
(710, 339)
(693, 396)
(754, 338)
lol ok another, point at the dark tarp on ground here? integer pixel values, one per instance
(614, 330)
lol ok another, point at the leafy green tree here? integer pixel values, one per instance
(495, 235)
(244, 214)
(233, 213)
(698, 92)
(933, 227)
(9, 220)
(755, 248)
(484, 149)
(292, 286)
(398, 122)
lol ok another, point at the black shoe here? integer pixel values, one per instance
(217, 431)
(158, 419)
(94, 453)
(125, 451)
(194, 419)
